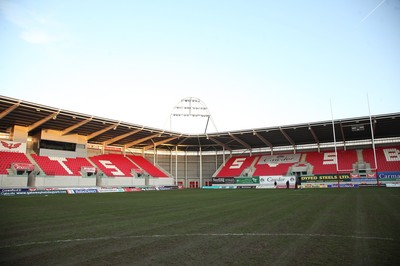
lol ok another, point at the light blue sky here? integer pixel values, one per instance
(253, 63)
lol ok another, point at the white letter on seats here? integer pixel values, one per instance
(329, 158)
(61, 161)
(237, 163)
(392, 155)
(107, 164)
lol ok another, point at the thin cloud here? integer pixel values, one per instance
(37, 37)
(372, 11)
(35, 28)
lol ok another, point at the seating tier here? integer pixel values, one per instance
(8, 158)
(277, 165)
(387, 158)
(325, 162)
(235, 166)
(114, 165)
(322, 162)
(58, 166)
(147, 166)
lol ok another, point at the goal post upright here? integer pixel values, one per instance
(375, 167)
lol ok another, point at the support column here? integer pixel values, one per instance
(201, 169)
(216, 160)
(154, 154)
(176, 165)
(186, 171)
(223, 155)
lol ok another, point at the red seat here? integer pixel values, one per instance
(59, 166)
(325, 162)
(8, 158)
(114, 165)
(147, 166)
(387, 158)
(235, 166)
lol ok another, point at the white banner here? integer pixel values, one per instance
(277, 181)
(12, 146)
(273, 160)
(88, 169)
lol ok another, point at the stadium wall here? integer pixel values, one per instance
(187, 167)
(13, 181)
(65, 181)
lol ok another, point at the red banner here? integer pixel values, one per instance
(24, 166)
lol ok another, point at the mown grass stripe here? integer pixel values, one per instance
(195, 235)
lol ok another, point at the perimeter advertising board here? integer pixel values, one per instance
(277, 181)
(30, 191)
(223, 180)
(247, 180)
(327, 181)
(325, 178)
(389, 176)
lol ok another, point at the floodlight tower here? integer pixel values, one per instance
(191, 111)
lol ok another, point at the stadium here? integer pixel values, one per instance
(345, 173)
(44, 146)
(95, 168)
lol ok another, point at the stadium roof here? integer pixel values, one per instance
(110, 132)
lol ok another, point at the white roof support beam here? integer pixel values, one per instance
(241, 141)
(159, 143)
(9, 110)
(95, 134)
(220, 143)
(43, 120)
(342, 132)
(266, 142)
(130, 144)
(182, 141)
(110, 141)
(77, 125)
(314, 136)
(288, 138)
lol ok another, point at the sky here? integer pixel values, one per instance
(252, 64)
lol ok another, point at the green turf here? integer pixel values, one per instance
(204, 227)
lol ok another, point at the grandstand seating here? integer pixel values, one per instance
(76, 164)
(111, 164)
(114, 165)
(58, 166)
(266, 169)
(147, 166)
(7, 158)
(280, 169)
(325, 162)
(346, 159)
(322, 162)
(388, 158)
(235, 166)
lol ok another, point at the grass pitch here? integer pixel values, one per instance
(204, 227)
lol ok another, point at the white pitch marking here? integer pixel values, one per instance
(191, 235)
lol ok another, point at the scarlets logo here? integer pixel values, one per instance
(10, 145)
